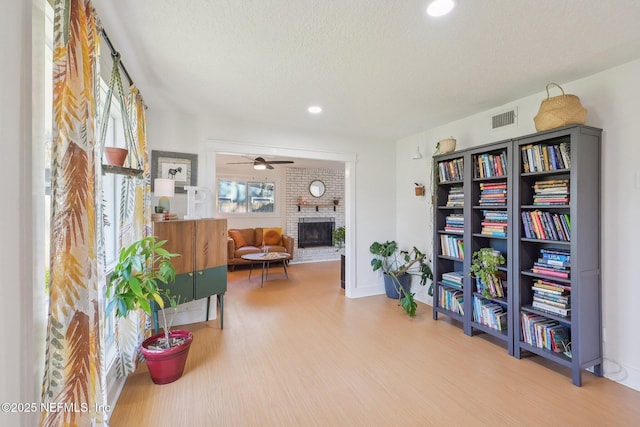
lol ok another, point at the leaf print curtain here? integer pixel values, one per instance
(73, 364)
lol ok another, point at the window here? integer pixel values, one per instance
(242, 197)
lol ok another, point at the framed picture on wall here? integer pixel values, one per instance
(181, 167)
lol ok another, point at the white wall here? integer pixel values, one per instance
(17, 360)
(611, 98)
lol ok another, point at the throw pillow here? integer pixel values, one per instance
(272, 236)
(237, 238)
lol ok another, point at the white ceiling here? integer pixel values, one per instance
(380, 68)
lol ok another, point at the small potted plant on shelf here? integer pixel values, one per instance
(397, 267)
(484, 268)
(136, 284)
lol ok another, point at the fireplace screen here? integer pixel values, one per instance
(313, 232)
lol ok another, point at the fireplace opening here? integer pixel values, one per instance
(314, 232)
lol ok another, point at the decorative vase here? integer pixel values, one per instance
(420, 191)
(167, 365)
(115, 156)
(391, 287)
(447, 145)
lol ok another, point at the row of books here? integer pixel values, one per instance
(452, 246)
(452, 300)
(490, 165)
(455, 199)
(551, 297)
(163, 217)
(546, 225)
(554, 262)
(453, 279)
(540, 157)
(551, 192)
(490, 314)
(494, 223)
(454, 223)
(494, 286)
(493, 194)
(542, 332)
(451, 170)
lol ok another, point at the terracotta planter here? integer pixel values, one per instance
(166, 366)
(419, 191)
(115, 156)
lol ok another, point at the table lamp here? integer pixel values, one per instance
(163, 188)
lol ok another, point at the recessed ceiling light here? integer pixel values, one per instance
(315, 109)
(440, 7)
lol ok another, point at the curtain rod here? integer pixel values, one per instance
(114, 52)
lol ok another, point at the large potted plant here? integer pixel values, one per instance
(136, 284)
(397, 267)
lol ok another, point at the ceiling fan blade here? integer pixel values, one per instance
(269, 166)
(280, 162)
(241, 163)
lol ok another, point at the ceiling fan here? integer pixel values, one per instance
(260, 163)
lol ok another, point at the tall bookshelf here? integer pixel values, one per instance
(547, 229)
(557, 265)
(451, 226)
(491, 227)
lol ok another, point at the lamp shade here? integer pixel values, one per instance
(164, 187)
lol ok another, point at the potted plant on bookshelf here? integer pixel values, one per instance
(135, 284)
(397, 267)
(484, 268)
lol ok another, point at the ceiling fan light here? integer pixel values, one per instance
(259, 166)
(440, 7)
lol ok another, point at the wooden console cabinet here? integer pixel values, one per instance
(201, 270)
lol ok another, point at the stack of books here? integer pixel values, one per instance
(495, 286)
(493, 194)
(454, 223)
(452, 246)
(490, 165)
(546, 225)
(453, 279)
(163, 217)
(456, 197)
(554, 192)
(537, 158)
(552, 297)
(541, 332)
(554, 262)
(489, 314)
(452, 300)
(494, 223)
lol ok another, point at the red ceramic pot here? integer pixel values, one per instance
(115, 156)
(167, 365)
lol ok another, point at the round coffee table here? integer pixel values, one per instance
(266, 258)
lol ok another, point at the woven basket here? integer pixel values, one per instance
(557, 111)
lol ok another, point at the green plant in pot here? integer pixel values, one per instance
(398, 266)
(484, 266)
(339, 235)
(136, 283)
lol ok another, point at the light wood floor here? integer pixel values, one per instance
(299, 353)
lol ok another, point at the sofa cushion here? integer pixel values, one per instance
(237, 238)
(272, 236)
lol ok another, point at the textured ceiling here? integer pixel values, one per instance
(379, 68)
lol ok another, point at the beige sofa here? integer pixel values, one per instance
(250, 240)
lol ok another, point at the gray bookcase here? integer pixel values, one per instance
(583, 322)
(578, 328)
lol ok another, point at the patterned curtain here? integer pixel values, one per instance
(135, 214)
(75, 375)
(73, 363)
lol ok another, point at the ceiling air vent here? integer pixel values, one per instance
(507, 118)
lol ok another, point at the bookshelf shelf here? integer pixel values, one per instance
(552, 178)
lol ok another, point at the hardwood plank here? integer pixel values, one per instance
(298, 352)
